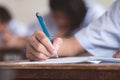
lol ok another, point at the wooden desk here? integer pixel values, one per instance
(109, 71)
(17, 52)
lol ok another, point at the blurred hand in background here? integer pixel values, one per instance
(11, 40)
(117, 55)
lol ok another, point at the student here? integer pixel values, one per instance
(66, 17)
(8, 37)
(102, 41)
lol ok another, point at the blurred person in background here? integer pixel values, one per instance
(66, 18)
(12, 33)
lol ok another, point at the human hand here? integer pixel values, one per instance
(11, 40)
(117, 55)
(39, 47)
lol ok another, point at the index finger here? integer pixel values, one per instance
(45, 41)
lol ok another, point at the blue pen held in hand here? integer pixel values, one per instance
(44, 28)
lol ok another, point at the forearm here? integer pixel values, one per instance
(70, 47)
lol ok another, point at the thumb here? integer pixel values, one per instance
(57, 44)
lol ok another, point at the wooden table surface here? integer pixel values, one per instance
(83, 66)
(84, 71)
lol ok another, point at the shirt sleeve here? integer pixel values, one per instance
(94, 11)
(102, 37)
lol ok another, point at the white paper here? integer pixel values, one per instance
(70, 60)
(66, 60)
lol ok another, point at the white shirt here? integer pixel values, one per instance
(18, 28)
(102, 37)
(94, 11)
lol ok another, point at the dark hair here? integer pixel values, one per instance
(5, 15)
(75, 9)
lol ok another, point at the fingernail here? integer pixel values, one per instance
(54, 52)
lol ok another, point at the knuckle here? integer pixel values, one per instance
(43, 39)
(40, 35)
(29, 39)
(37, 31)
(32, 40)
(38, 47)
(41, 32)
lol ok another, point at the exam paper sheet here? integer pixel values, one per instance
(67, 60)
(70, 60)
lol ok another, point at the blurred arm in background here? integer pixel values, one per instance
(12, 33)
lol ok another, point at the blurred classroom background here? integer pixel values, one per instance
(24, 12)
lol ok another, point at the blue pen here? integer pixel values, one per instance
(44, 28)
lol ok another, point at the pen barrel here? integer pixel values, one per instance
(44, 28)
